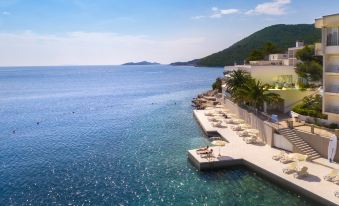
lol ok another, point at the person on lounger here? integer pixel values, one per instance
(203, 148)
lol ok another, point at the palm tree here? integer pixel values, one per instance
(236, 79)
(254, 93)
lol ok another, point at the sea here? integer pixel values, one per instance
(114, 135)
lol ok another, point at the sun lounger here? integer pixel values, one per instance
(286, 159)
(243, 134)
(239, 121)
(236, 128)
(213, 119)
(250, 140)
(336, 193)
(203, 151)
(278, 156)
(291, 168)
(331, 176)
(208, 114)
(219, 124)
(336, 180)
(208, 154)
(302, 173)
(229, 121)
(215, 138)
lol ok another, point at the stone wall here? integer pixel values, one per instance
(266, 131)
(319, 143)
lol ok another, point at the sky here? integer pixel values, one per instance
(109, 32)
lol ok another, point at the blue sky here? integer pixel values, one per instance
(63, 32)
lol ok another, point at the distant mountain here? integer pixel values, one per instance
(282, 35)
(189, 63)
(141, 63)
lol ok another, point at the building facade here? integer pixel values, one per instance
(329, 48)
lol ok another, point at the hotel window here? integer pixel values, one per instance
(332, 36)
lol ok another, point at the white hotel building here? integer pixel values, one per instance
(329, 48)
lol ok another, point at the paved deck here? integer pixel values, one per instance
(259, 158)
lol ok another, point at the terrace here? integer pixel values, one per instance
(259, 158)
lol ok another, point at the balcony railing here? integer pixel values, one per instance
(334, 110)
(332, 89)
(332, 69)
(332, 37)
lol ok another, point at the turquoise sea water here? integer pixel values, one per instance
(112, 135)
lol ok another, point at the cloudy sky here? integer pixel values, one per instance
(97, 32)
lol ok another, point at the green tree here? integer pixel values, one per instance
(311, 106)
(310, 67)
(255, 93)
(255, 55)
(260, 54)
(270, 48)
(310, 70)
(307, 54)
(236, 79)
(217, 85)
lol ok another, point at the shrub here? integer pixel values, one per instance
(217, 85)
(311, 106)
(333, 126)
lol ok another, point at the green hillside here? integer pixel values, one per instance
(283, 36)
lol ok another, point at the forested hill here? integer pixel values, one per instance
(281, 35)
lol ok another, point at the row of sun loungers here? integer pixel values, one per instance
(292, 167)
(205, 152)
(238, 125)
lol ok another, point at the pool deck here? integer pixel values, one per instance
(259, 158)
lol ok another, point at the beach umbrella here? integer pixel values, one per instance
(219, 143)
(297, 157)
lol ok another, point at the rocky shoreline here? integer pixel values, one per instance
(206, 99)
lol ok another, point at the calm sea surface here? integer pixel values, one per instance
(113, 135)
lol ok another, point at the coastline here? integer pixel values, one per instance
(258, 158)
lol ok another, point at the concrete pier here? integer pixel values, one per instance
(259, 158)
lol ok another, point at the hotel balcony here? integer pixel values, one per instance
(334, 90)
(332, 70)
(331, 103)
(332, 110)
(332, 49)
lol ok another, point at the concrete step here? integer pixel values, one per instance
(309, 149)
(305, 146)
(299, 143)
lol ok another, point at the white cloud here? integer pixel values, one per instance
(29, 48)
(215, 9)
(229, 11)
(6, 13)
(218, 13)
(275, 7)
(197, 17)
